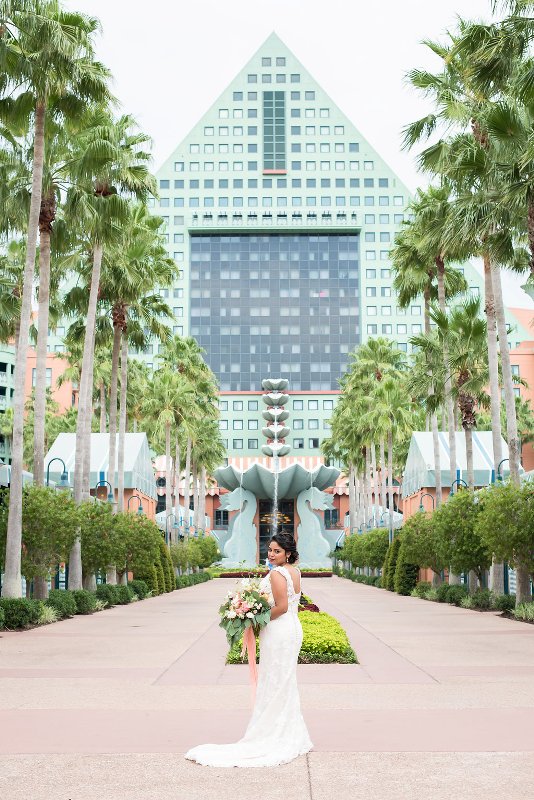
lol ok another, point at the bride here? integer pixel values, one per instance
(276, 732)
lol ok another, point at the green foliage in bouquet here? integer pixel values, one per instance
(234, 617)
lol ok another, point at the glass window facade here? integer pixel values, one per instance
(320, 273)
(274, 130)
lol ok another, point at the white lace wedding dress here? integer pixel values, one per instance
(276, 732)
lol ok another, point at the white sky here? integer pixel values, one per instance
(172, 58)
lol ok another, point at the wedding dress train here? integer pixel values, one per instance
(276, 732)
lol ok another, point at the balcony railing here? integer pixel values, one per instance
(267, 219)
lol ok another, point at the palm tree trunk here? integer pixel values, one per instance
(352, 500)
(195, 498)
(39, 405)
(449, 405)
(12, 584)
(390, 483)
(493, 362)
(437, 458)
(86, 480)
(202, 510)
(117, 333)
(187, 479)
(122, 421)
(382, 474)
(368, 485)
(374, 490)
(469, 457)
(508, 384)
(168, 477)
(83, 442)
(103, 417)
(177, 480)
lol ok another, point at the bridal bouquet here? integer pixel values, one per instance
(245, 611)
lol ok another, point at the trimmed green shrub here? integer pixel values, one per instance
(63, 601)
(431, 594)
(421, 588)
(167, 566)
(2, 618)
(150, 579)
(324, 642)
(85, 601)
(406, 573)
(503, 602)
(140, 588)
(106, 592)
(481, 598)
(182, 581)
(443, 592)
(456, 594)
(20, 612)
(161, 577)
(394, 548)
(123, 595)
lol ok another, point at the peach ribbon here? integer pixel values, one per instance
(249, 647)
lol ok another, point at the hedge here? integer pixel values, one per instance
(20, 612)
(324, 642)
(63, 602)
(182, 581)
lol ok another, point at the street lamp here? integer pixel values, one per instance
(140, 511)
(111, 497)
(499, 476)
(175, 525)
(426, 494)
(64, 480)
(458, 481)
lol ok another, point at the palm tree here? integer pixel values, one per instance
(49, 58)
(110, 162)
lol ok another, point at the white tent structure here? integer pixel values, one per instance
(420, 470)
(138, 470)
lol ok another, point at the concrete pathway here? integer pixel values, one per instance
(103, 706)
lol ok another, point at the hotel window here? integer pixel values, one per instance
(369, 219)
(295, 95)
(274, 124)
(384, 255)
(178, 237)
(388, 329)
(383, 219)
(354, 147)
(295, 165)
(252, 202)
(296, 183)
(417, 328)
(324, 147)
(252, 96)
(298, 424)
(354, 200)
(310, 130)
(370, 273)
(309, 95)
(178, 220)
(237, 405)
(370, 255)
(295, 78)
(310, 165)
(266, 61)
(339, 147)
(326, 201)
(313, 444)
(416, 311)
(296, 148)
(223, 166)
(48, 376)
(386, 311)
(298, 405)
(370, 236)
(310, 147)
(238, 95)
(223, 148)
(340, 201)
(295, 130)
(223, 424)
(164, 202)
(328, 405)
(309, 112)
(253, 424)
(324, 112)
(296, 201)
(164, 184)
(370, 291)
(368, 200)
(339, 130)
(237, 424)
(325, 166)
(252, 444)
(298, 444)
(515, 369)
(267, 202)
(313, 405)
(398, 200)
(238, 130)
(398, 219)
(178, 166)
(385, 273)
(371, 311)
(295, 112)
(372, 330)
(402, 328)
(368, 165)
(324, 130)
(313, 424)
(224, 113)
(311, 201)
(339, 165)
(252, 78)
(237, 444)
(354, 165)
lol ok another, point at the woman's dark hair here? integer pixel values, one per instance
(287, 542)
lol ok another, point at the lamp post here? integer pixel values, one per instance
(64, 480)
(140, 511)
(499, 476)
(426, 494)
(175, 525)
(458, 481)
(111, 496)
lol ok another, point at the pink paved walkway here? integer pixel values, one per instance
(441, 701)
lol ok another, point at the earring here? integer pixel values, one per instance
(287, 559)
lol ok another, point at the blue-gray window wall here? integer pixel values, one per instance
(280, 305)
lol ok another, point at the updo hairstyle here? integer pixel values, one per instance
(287, 542)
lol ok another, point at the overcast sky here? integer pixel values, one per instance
(172, 58)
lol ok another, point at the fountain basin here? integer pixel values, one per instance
(291, 481)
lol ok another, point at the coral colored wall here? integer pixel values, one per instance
(63, 395)
(523, 357)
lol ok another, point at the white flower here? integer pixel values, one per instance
(250, 615)
(231, 614)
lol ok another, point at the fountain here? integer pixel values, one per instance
(293, 483)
